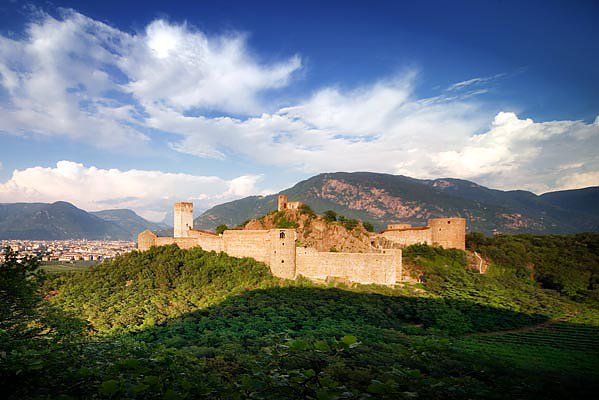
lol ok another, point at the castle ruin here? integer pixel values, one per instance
(277, 247)
(284, 203)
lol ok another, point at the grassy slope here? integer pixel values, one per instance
(170, 323)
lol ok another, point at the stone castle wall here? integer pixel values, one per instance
(449, 233)
(409, 236)
(283, 203)
(241, 243)
(398, 226)
(381, 268)
(276, 248)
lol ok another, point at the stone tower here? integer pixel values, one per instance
(183, 212)
(282, 252)
(282, 204)
(448, 232)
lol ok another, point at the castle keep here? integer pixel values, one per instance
(277, 247)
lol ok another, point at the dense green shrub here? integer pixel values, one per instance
(281, 222)
(19, 297)
(305, 209)
(221, 228)
(156, 285)
(330, 216)
(567, 263)
(350, 223)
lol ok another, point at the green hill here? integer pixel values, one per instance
(171, 323)
(384, 198)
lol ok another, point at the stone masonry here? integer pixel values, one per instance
(277, 247)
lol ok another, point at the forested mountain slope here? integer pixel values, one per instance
(384, 198)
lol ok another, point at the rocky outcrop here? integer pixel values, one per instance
(316, 232)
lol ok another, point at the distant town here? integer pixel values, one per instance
(68, 250)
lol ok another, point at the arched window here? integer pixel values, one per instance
(282, 235)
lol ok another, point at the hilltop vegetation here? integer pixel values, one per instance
(171, 324)
(322, 232)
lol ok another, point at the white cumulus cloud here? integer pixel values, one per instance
(86, 80)
(149, 193)
(81, 78)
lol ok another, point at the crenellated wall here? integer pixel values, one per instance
(398, 226)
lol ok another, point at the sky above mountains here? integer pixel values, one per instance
(124, 105)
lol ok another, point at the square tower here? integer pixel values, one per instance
(449, 233)
(282, 202)
(282, 252)
(183, 213)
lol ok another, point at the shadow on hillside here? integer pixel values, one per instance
(283, 309)
(413, 335)
(295, 342)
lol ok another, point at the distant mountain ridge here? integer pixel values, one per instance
(378, 198)
(585, 200)
(128, 221)
(62, 220)
(385, 198)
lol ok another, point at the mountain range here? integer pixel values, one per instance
(377, 198)
(62, 220)
(384, 198)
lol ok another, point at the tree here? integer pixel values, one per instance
(350, 223)
(368, 226)
(19, 298)
(330, 216)
(221, 228)
(305, 209)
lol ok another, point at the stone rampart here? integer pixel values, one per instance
(449, 233)
(398, 226)
(247, 243)
(381, 268)
(409, 236)
(276, 248)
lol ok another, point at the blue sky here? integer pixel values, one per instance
(136, 104)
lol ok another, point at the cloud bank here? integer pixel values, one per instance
(213, 97)
(148, 192)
